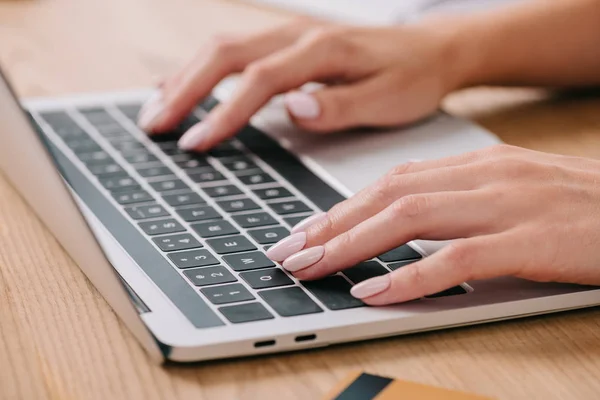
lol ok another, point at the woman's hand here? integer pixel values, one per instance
(376, 77)
(511, 212)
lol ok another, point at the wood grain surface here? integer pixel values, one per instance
(60, 340)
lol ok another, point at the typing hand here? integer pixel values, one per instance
(512, 212)
(376, 77)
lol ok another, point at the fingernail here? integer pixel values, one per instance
(304, 224)
(195, 136)
(302, 105)
(151, 112)
(371, 287)
(286, 247)
(304, 259)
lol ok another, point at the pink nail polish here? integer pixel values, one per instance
(151, 112)
(195, 136)
(304, 259)
(286, 247)
(302, 105)
(371, 287)
(304, 224)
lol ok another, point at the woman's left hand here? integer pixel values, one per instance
(510, 211)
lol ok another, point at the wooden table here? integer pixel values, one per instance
(60, 340)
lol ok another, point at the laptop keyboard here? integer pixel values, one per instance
(208, 218)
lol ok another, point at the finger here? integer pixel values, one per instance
(437, 216)
(323, 227)
(222, 57)
(391, 188)
(363, 103)
(287, 69)
(482, 257)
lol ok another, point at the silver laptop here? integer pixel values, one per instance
(175, 241)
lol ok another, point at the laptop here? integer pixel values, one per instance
(175, 241)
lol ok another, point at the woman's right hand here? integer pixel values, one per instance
(373, 77)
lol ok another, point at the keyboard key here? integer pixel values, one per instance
(333, 292)
(165, 142)
(245, 313)
(107, 170)
(83, 145)
(238, 205)
(254, 220)
(146, 211)
(453, 291)
(233, 244)
(400, 264)
(138, 196)
(168, 185)
(272, 193)
(198, 213)
(365, 270)
(193, 163)
(206, 176)
(124, 146)
(151, 172)
(226, 294)
(120, 184)
(214, 229)
(57, 119)
(256, 179)
(248, 261)
(112, 130)
(194, 258)
(97, 115)
(289, 302)
(239, 164)
(225, 150)
(131, 111)
(290, 207)
(161, 227)
(209, 276)
(95, 158)
(401, 253)
(293, 221)
(140, 157)
(266, 278)
(183, 199)
(183, 241)
(222, 191)
(269, 235)
(209, 103)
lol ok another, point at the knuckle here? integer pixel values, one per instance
(502, 149)
(384, 188)
(459, 256)
(333, 39)
(223, 47)
(259, 73)
(411, 206)
(515, 168)
(415, 277)
(402, 169)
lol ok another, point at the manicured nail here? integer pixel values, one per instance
(302, 105)
(151, 112)
(304, 224)
(304, 259)
(195, 136)
(371, 287)
(286, 247)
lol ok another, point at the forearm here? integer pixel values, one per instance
(547, 42)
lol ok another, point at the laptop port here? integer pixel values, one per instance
(306, 338)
